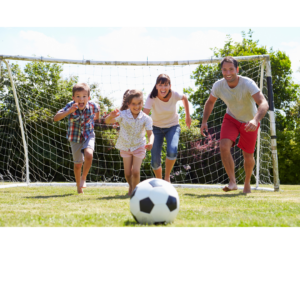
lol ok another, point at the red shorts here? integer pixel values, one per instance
(231, 128)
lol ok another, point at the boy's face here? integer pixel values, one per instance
(81, 98)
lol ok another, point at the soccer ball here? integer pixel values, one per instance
(154, 201)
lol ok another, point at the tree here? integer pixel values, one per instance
(42, 91)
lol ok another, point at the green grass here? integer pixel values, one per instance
(109, 207)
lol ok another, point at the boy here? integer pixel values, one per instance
(81, 114)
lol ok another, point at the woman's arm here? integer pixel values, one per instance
(146, 111)
(188, 119)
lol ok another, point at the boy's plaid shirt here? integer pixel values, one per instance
(81, 122)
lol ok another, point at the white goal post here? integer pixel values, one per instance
(266, 149)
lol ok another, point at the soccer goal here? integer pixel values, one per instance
(34, 149)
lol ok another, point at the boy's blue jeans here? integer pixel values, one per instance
(172, 136)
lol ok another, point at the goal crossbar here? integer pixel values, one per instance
(132, 63)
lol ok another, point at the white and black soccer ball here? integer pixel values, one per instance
(154, 201)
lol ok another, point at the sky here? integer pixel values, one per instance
(158, 43)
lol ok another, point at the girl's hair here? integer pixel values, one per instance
(162, 78)
(128, 96)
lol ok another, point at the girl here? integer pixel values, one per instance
(162, 101)
(132, 142)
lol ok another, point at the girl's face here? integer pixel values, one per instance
(136, 105)
(163, 89)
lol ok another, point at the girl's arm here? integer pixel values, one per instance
(188, 120)
(60, 115)
(150, 139)
(111, 117)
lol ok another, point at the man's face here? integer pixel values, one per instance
(81, 98)
(230, 73)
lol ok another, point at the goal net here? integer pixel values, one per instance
(34, 148)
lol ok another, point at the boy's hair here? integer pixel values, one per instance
(128, 96)
(162, 78)
(230, 59)
(78, 87)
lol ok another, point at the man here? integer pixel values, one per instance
(240, 94)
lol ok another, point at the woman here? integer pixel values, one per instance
(162, 101)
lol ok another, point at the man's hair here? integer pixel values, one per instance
(78, 87)
(230, 59)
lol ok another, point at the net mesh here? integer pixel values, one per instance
(41, 94)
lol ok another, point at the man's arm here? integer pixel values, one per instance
(262, 109)
(188, 119)
(60, 115)
(208, 107)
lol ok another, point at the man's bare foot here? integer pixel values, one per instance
(82, 183)
(79, 190)
(230, 187)
(247, 189)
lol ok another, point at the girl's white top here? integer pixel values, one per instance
(132, 131)
(164, 114)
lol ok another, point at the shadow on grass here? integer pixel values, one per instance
(130, 223)
(50, 196)
(134, 223)
(218, 195)
(117, 197)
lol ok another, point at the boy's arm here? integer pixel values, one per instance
(60, 115)
(111, 117)
(97, 115)
(150, 139)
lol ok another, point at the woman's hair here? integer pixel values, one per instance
(162, 78)
(128, 96)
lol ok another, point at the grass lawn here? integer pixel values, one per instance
(109, 207)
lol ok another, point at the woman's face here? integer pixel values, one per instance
(136, 105)
(163, 89)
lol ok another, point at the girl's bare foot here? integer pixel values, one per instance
(82, 183)
(129, 191)
(168, 179)
(79, 190)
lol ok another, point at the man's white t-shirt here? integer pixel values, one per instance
(164, 114)
(239, 101)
